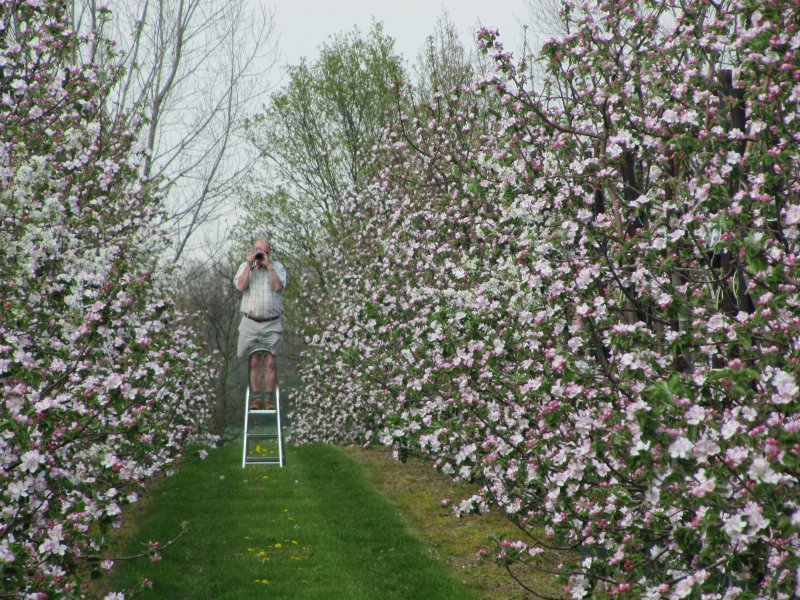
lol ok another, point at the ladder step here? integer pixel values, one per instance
(262, 436)
(259, 411)
(262, 461)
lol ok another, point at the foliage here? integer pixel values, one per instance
(101, 389)
(583, 295)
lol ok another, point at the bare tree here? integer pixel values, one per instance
(212, 309)
(545, 20)
(443, 64)
(193, 70)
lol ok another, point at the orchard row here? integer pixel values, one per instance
(575, 282)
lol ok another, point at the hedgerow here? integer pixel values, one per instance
(581, 291)
(102, 388)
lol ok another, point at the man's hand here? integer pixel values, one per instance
(265, 262)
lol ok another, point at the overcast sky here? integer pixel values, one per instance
(304, 25)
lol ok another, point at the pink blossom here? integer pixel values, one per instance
(793, 213)
(705, 447)
(786, 387)
(695, 415)
(761, 471)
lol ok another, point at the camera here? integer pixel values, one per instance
(259, 255)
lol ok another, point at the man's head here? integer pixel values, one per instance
(261, 245)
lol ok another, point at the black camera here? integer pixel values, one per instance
(259, 255)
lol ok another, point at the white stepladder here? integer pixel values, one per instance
(263, 429)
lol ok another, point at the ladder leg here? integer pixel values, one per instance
(279, 425)
(246, 423)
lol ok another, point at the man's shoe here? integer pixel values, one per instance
(257, 400)
(268, 403)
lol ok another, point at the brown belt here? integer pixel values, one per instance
(257, 320)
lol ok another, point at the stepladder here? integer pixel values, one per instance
(263, 426)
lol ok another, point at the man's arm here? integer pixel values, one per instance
(274, 280)
(243, 280)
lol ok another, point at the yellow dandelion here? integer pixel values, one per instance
(279, 545)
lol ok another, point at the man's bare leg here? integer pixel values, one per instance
(256, 374)
(270, 378)
(256, 381)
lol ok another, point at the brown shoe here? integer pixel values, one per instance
(269, 405)
(256, 400)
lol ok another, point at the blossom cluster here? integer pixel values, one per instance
(102, 387)
(579, 289)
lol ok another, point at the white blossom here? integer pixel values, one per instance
(681, 448)
(31, 461)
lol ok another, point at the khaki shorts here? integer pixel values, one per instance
(252, 335)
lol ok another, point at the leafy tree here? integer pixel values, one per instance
(314, 139)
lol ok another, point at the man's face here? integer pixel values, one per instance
(261, 246)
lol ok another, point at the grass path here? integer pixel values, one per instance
(315, 529)
(333, 524)
(415, 489)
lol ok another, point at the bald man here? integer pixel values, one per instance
(261, 280)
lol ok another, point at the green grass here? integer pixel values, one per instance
(314, 530)
(415, 489)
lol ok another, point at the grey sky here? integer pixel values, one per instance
(303, 25)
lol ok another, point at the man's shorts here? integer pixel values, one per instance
(252, 335)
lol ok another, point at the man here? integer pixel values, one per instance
(261, 281)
